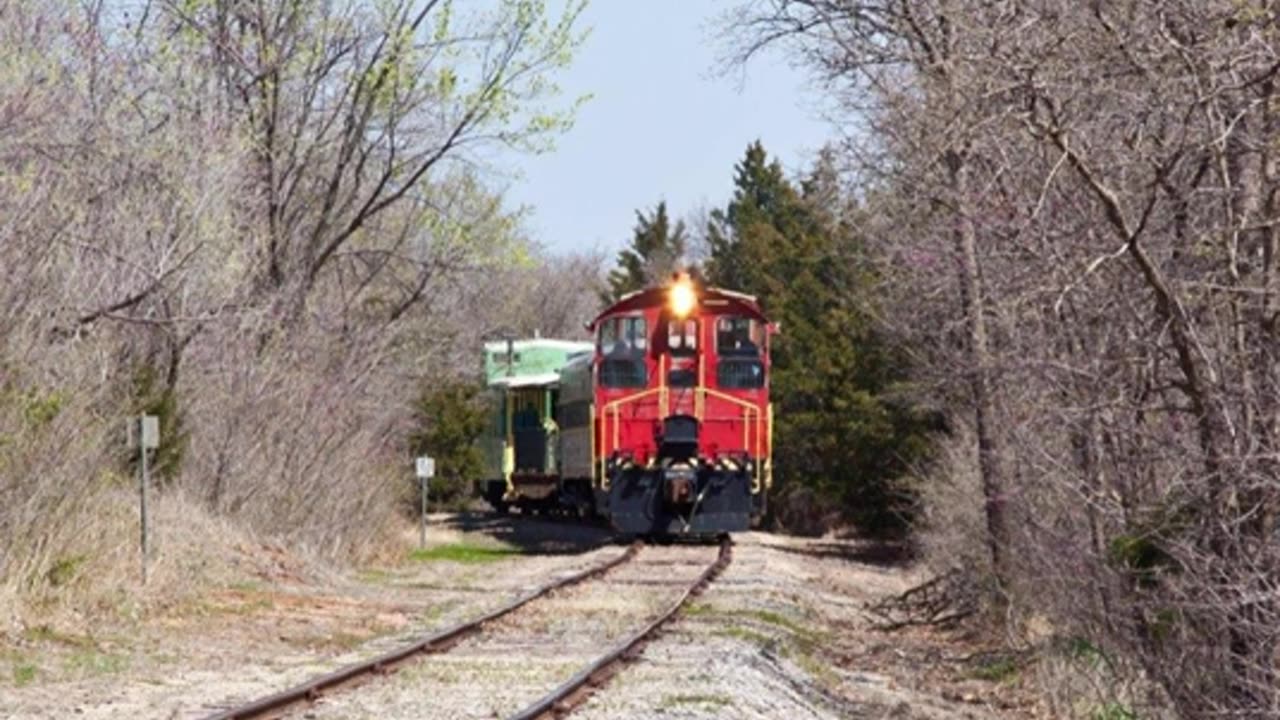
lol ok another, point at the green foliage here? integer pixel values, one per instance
(998, 670)
(23, 674)
(449, 418)
(65, 569)
(844, 426)
(1140, 555)
(464, 553)
(703, 701)
(152, 394)
(94, 662)
(654, 254)
(1113, 711)
(41, 409)
(1082, 650)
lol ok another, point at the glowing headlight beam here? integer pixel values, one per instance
(682, 298)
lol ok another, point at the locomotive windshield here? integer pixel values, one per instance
(682, 337)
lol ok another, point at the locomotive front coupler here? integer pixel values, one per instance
(679, 483)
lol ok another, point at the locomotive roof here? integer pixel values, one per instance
(706, 296)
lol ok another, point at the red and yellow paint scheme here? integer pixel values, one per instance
(674, 408)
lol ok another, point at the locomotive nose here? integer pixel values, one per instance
(679, 438)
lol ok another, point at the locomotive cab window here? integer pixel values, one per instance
(623, 335)
(738, 336)
(622, 342)
(682, 337)
(739, 341)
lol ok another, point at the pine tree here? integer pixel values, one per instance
(839, 431)
(656, 251)
(753, 227)
(449, 418)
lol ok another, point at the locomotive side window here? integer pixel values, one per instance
(737, 336)
(623, 373)
(740, 374)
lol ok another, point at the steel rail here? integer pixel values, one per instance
(310, 690)
(577, 689)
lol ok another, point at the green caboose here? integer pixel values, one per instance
(523, 379)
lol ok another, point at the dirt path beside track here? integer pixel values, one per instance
(783, 633)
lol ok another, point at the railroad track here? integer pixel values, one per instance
(577, 689)
(555, 703)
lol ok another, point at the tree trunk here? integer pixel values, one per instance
(993, 483)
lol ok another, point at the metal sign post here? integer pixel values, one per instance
(144, 434)
(426, 469)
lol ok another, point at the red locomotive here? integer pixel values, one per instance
(665, 426)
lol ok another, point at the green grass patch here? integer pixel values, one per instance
(23, 674)
(779, 620)
(434, 613)
(92, 662)
(736, 628)
(806, 657)
(464, 553)
(1003, 669)
(376, 576)
(65, 569)
(1113, 711)
(746, 635)
(698, 609)
(47, 634)
(699, 699)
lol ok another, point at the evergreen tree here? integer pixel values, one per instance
(839, 429)
(656, 250)
(449, 418)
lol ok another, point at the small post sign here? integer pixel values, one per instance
(144, 435)
(426, 469)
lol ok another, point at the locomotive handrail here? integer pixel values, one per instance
(614, 408)
(753, 419)
(759, 427)
(749, 407)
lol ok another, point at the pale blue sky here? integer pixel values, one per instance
(663, 123)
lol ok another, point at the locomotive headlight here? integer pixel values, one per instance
(682, 297)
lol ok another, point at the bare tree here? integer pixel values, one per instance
(1103, 178)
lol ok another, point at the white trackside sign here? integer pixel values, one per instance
(426, 467)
